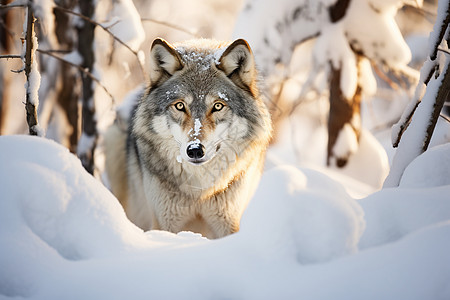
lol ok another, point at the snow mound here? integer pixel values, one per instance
(64, 236)
(60, 202)
(305, 210)
(391, 214)
(430, 169)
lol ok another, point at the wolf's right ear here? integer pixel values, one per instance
(164, 61)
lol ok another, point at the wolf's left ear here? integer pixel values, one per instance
(164, 61)
(238, 64)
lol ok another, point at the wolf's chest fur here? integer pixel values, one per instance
(196, 141)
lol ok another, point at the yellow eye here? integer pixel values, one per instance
(180, 106)
(217, 106)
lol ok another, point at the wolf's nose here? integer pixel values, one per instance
(195, 151)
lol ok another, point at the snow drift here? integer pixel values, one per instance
(64, 236)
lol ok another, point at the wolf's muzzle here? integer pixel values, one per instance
(195, 151)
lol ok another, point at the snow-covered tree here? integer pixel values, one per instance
(66, 34)
(412, 134)
(350, 35)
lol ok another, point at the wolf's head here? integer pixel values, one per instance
(202, 101)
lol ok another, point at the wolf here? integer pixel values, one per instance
(194, 148)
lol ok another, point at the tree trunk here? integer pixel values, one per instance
(31, 103)
(441, 97)
(88, 139)
(68, 95)
(5, 43)
(343, 111)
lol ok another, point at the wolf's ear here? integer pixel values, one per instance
(238, 64)
(164, 61)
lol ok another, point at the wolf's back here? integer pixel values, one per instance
(115, 140)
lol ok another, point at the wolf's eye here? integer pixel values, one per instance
(217, 106)
(180, 106)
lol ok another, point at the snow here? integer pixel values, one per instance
(435, 36)
(64, 236)
(223, 96)
(366, 78)
(332, 46)
(427, 69)
(197, 127)
(346, 142)
(34, 78)
(43, 11)
(126, 24)
(310, 232)
(386, 43)
(412, 141)
(86, 143)
(423, 172)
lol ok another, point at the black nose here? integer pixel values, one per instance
(195, 151)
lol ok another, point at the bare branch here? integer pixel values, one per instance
(444, 50)
(18, 71)
(13, 5)
(106, 29)
(440, 30)
(445, 117)
(439, 101)
(170, 25)
(86, 72)
(406, 117)
(384, 77)
(7, 56)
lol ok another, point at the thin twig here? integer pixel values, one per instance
(445, 117)
(7, 56)
(13, 5)
(384, 77)
(106, 29)
(18, 71)
(173, 26)
(87, 73)
(444, 50)
(59, 51)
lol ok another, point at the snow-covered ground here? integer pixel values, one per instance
(64, 236)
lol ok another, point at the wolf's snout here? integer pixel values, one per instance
(196, 151)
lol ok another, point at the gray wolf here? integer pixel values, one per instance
(194, 149)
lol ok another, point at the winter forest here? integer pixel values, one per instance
(354, 198)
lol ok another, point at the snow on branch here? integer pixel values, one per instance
(351, 35)
(33, 76)
(413, 132)
(428, 69)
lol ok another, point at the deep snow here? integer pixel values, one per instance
(64, 236)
